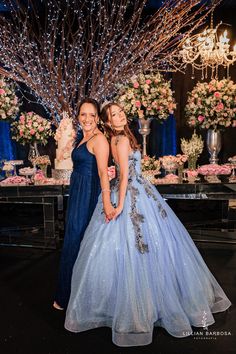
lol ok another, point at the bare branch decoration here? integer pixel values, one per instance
(67, 49)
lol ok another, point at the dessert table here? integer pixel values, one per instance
(183, 198)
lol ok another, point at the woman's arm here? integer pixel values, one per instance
(123, 150)
(101, 152)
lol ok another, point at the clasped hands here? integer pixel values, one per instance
(111, 213)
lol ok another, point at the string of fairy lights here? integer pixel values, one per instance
(68, 49)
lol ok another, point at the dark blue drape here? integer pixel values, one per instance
(162, 138)
(7, 146)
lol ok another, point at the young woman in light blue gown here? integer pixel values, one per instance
(141, 269)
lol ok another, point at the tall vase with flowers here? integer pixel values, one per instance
(192, 148)
(211, 106)
(146, 96)
(31, 129)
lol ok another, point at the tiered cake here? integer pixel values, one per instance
(64, 137)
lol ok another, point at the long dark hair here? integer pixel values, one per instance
(97, 108)
(91, 101)
(112, 132)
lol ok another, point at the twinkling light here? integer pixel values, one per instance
(66, 50)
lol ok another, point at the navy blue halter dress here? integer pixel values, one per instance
(83, 196)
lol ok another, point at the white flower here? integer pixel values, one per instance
(192, 147)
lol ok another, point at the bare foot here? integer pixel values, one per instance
(56, 306)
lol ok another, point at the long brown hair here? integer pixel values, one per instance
(112, 132)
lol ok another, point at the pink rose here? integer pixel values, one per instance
(220, 106)
(136, 85)
(32, 131)
(30, 113)
(2, 92)
(138, 104)
(148, 82)
(217, 94)
(200, 118)
(192, 173)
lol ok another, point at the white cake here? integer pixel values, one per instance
(65, 135)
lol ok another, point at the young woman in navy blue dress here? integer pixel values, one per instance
(90, 164)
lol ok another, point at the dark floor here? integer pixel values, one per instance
(29, 324)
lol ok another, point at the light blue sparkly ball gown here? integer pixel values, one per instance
(141, 270)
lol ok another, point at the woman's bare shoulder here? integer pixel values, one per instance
(100, 139)
(120, 140)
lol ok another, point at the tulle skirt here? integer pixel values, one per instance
(115, 285)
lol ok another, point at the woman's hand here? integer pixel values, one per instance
(109, 211)
(118, 211)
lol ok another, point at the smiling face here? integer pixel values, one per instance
(88, 117)
(117, 117)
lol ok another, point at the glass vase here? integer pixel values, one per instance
(192, 162)
(213, 145)
(170, 168)
(43, 168)
(33, 152)
(144, 130)
(180, 172)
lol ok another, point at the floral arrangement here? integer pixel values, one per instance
(31, 128)
(181, 159)
(193, 146)
(147, 95)
(192, 173)
(42, 160)
(9, 105)
(214, 169)
(170, 178)
(8, 167)
(212, 105)
(14, 180)
(150, 163)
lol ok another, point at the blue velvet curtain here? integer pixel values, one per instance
(7, 146)
(162, 138)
